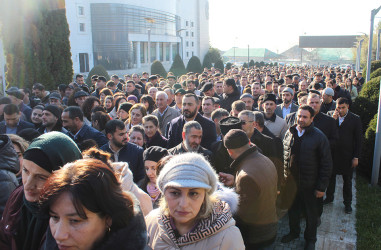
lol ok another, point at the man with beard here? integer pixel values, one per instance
(328, 102)
(123, 151)
(190, 104)
(308, 166)
(192, 136)
(231, 94)
(256, 92)
(287, 107)
(51, 120)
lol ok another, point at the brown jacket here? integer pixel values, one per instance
(256, 184)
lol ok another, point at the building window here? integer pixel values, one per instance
(192, 34)
(187, 33)
(192, 44)
(192, 24)
(81, 11)
(192, 53)
(187, 54)
(186, 23)
(82, 27)
(187, 43)
(83, 62)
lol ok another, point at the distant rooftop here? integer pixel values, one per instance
(253, 52)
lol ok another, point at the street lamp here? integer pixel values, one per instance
(358, 58)
(182, 45)
(151, 21)
(378, 45)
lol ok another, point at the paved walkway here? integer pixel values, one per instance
(337, 229)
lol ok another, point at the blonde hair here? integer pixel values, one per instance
(205, 210)
(19, 141)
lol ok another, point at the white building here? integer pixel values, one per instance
(114, 33)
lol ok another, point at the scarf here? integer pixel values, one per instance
(153, 192)
(33, 226)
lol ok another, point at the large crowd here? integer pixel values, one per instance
(207, 160)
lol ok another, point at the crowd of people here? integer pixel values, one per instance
(200, 161)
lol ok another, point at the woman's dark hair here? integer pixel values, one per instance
(87, 106)
(151, 118)
(102, 119)
(118, 99)
(109, 97)
(71, 99)
(151, 103)
(105, 91)
(159, 166)
(91, 185)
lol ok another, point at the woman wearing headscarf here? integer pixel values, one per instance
(22, 226)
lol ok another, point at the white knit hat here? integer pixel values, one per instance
(189, 170)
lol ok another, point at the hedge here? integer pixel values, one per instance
(178, 67)
(194, 65)
(158, 68)
(375, 73)
(98, 70)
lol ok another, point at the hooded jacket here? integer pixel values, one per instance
(9, 166)
(218, 231)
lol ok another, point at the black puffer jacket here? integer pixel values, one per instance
(228, 99)
(314, 161)
(9, 166)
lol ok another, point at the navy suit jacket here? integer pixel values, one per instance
(133, 155)
(22, 125)
(88, 132)
(209, 133)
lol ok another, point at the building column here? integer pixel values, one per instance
(165, 52)
(138, 62)
(158, 51)
(170, 52)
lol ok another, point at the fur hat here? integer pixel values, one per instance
(189, 170)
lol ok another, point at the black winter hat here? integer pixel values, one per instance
(154, 153)
(228, 123)
(56, 111)
(126, 106)
(269, 97)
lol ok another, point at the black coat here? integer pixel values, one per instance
(156, 140)
(221, 159)
(324, 108)
(209, 133)
(270, 149)
(314, 161)
(328, 126)
(348, 146)
(228, 99)
(179, 149)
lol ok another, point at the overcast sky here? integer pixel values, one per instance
(277, 24)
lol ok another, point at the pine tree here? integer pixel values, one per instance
(178, 67)
(219, 65)
(194, 65)
(245, 65)
(158, 68)
(251, 63)
(98, 70)
(207, 63)
(228, 66)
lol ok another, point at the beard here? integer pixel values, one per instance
(191, 147)
(286, 101)
(189, 114)
(119, 144)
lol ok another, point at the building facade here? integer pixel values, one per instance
(118, 33)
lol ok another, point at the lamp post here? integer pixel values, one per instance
(151, 21)
(373, 13)
(358, 58)
(378, 45)
(182, 45)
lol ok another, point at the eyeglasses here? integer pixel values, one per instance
(244, 122)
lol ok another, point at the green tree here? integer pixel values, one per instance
(207, 63)
(251, 63)
(245, 65)
(214, 54)
(219, 65)
(228, 65)
(194, 65)
(178, 67)
(36, 43)
(158, 68)
(98, 70)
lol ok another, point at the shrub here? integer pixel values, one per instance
(375, 73)
(158, 68)
(194, 65)
(219, 65)
(228, 66)
(367, 150)
(245, 65)
(97, 70)
(373, 66)
(207, 63)
(178, 68)
(251, 63)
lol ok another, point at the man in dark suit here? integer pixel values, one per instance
(12, 123)
(287, 107)
(123, 151)
(72, 120)
(189, 113)
(347, 151)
